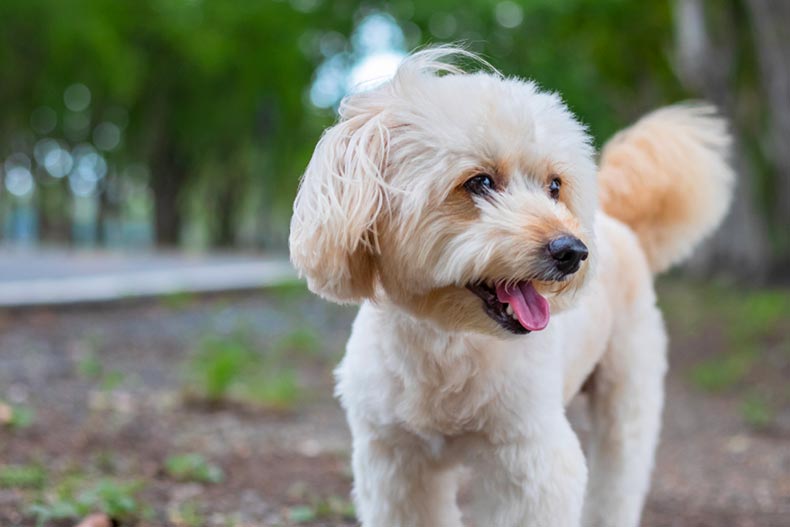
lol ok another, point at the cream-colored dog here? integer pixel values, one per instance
(496, 279)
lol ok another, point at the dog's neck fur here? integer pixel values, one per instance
(449, 380)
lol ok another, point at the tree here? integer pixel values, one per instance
(216, 92)
(202, 81)
(770, 22)
(707, 62)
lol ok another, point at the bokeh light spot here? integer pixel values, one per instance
(107, 136)
(373, 70)
(17, 159)
(19, 181)
(377, 33)
(58, 162)
(508, 14)
(305, 6)
(77, 97)
(89, 165)
(378, 47)
(81, 186)
(442, 25)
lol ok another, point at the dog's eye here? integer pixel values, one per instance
(479, 184)
(554, 188)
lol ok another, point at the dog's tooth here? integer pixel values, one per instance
(510, 310)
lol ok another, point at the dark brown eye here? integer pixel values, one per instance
(554, 188)
(480, 184)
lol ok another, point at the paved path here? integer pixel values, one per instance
(52, 276)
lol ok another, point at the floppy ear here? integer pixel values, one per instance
(333, 237)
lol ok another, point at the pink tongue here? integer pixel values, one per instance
(531, 309)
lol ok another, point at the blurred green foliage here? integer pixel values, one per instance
(209, 86)
(213, 96)
(720, 373)
(231, 369)
(31, 476)
(757, 411)
(216, 91)
(193, 467)
(16, 416)
(73, 499)
(322, 509)
(187, 514)
(304, 341)
(89, 366)
(741, 337)
(749, 318)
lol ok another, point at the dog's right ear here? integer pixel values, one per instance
(333, 239)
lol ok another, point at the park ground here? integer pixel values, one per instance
(218, 411)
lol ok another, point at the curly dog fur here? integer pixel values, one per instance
(498, 268)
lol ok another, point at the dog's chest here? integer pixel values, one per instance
(449, 394)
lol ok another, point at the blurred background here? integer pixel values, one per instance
(188, 123)
(153, 149)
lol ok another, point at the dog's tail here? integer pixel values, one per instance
(668, 178)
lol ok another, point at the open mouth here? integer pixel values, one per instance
(517, 308)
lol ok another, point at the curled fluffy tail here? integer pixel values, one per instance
(667, 177)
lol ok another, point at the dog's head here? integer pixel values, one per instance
(465, 199)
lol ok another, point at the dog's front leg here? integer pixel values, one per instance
(536, 481)
(397, 484)
(625, 401)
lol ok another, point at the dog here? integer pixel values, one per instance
(499, 270)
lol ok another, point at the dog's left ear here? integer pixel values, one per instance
(333, 239)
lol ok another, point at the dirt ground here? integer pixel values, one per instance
(102, 394)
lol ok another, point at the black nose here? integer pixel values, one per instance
(567, 252)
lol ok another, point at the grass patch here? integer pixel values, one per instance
(748, 316)
(16, 416)
(763, 310)
(116, 499)
(22, 476)
(228, 369)
(304, 341)
(747, 321)
(186, 514)
(90, 367)
(192, 467)
(323, 509)
(756, 411)
(178, 301)
(279, 391)
(288, 290)
(219, 366)
(721, 373)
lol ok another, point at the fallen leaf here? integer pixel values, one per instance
(96, 520)
(6, 413)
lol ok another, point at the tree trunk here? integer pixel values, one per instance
(740, 248)
(225, 224)
(770, 20)
(52, 206)
(168, 176)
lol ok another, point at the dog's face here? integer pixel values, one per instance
(465, 199)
